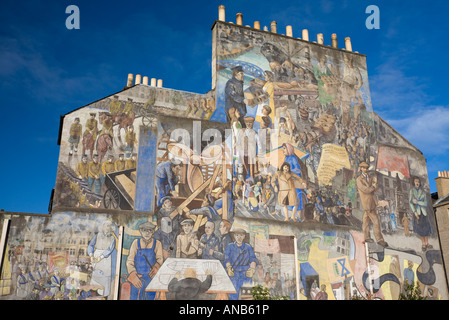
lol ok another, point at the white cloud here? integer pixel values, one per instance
(427, 129)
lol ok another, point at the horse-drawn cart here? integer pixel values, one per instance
(120, 193)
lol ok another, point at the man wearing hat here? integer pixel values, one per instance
(130, 139)
(92, 126)
(94, 174)
(169, 227)
(75, 134)
(107, 167)
(248, 140)
(144, 260)
(131, 161)
(167, 178)
(234, 96)
(82, 169)
(187, 241)
(367, 186)
(120, 162)
(240, 261)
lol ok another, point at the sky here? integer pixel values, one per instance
(48, 70)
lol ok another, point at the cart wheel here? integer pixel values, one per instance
(111, 199)
(150, 122)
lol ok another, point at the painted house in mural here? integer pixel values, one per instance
(281, 175)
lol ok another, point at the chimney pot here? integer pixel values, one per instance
(320, 38)
(159, 83)
(138, 78)
(257, 25)
(289, 31)
(221, 13)
(348, 44)
(153, 82)
(273, 26)
(239, 19)
(334, 40)
(305, 34)
(129, 83)
(145, 80)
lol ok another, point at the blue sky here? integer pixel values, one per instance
(47, 70)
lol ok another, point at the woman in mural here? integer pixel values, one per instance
(418, 204)
(100, 250)
(287, 196)
(295, 164)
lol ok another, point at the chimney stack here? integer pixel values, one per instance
(289, 31)
(159, 83)
(129, 83)
(257, 25)
(145, 80)
(442, 182)
(320, 38)
(138, 79)
(334, 40)
(239, 19)
(273, 26)
(221, 13)
(348, 44)
(153, 82)
(305, 34)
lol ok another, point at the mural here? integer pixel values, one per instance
(100, 145)
(69, 256)
(282, 176)
(205, 264)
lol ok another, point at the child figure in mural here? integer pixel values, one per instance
(418, 204)
(240, 261)
(144, 260)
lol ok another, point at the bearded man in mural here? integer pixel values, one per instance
(367, 186)
(234, 96)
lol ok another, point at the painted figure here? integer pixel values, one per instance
(240, 262)
(286, 188)
(120, 162)
(190, 287)
(167, 178)
(144, 260)
(100, 250)
(208, 241)
(94, 179)
(234, 96)
(82, 169)
(75, 135)
(187, 241)
(418, 205)
(367, 186)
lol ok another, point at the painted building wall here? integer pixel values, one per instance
(218, 193)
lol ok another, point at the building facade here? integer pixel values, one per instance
(282, 175)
